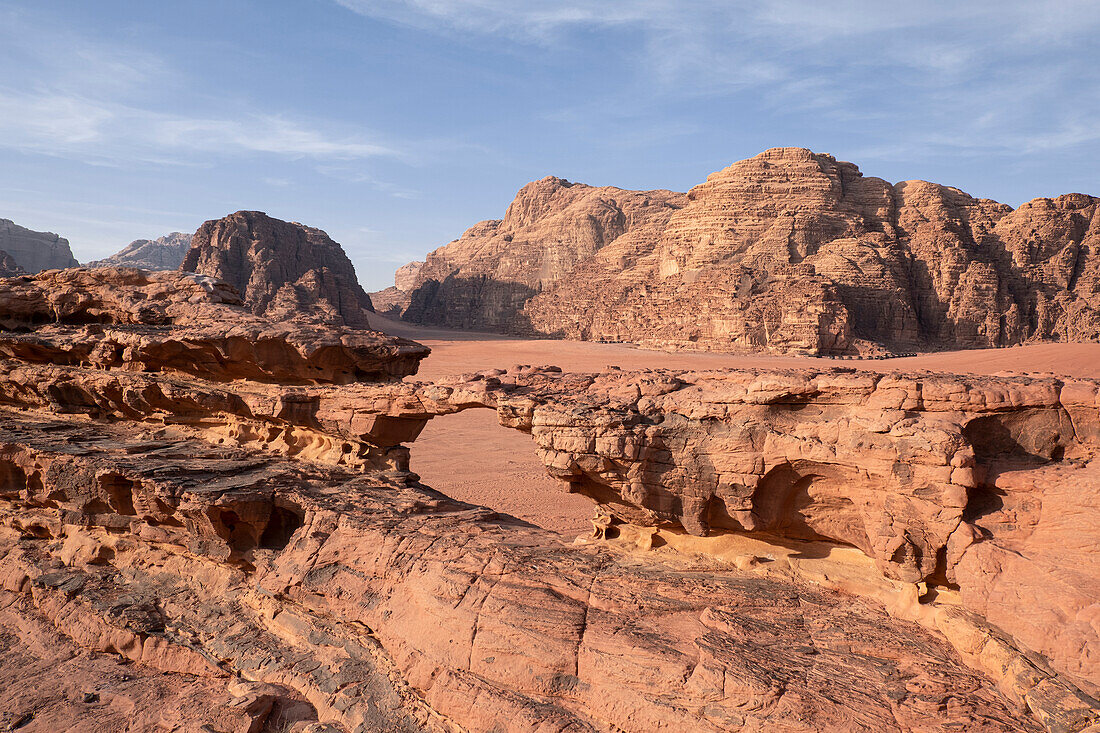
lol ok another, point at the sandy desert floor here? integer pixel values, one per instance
(472, 458)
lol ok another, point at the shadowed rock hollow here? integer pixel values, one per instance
(982, 484)
(9, 267)
(787, 251)
(243, 522)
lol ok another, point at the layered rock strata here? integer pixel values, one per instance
(143, 321)
(281, 269)
(389, 607)
(484, 279)
(246, 524)
(985, 484)
(163, 253)
(35, 251)
(787, 251)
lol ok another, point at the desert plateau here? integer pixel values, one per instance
(762, 441)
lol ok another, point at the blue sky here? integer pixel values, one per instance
(396, 124)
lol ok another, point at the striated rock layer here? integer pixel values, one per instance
(985, 484)
(389, 607)
(151, 321)
(483, 280)
(243, 524)
(787, 251)
(281, 269)
(34, 251)
(163, 253)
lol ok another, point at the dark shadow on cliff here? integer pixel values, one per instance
(474, 304)
(879, 315)
(1005, 443)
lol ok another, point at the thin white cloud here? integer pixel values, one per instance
(259, 134)
(349, 174)
(517, 19)
(983, 74)
(799, 21)
(73, 126)
(78, 98)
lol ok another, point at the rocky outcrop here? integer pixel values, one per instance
(163, 253)
(388, 607)
(35, 251)
(787, 251)
(156, 321)
(179, 492)
(483, 279)
(281, 269)
(985, 484)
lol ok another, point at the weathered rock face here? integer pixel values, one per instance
(484, 279)
(787, 251)
(388, 607)
(245, 524)
(156, 321)
(35, 251)
(281, 269)
(163, 253)
(989, 484)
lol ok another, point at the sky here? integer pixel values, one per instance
(394, 125)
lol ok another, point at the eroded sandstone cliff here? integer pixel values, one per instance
(192, 493)
(789, 251)
(8, 266)
(484, 279)
(280, 268)
(35, 251)
(982, 484)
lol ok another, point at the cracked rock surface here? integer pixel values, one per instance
(232, 540)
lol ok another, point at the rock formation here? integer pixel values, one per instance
(163, 253)
(35, 251)
(151, 321)
(281, 269)
(207, 518)
(986, 484)
(483, 280)
(787, 251)
(9, 267)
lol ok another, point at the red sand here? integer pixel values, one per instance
(472, 458)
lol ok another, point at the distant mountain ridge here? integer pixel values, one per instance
(163, 253)
(35, 251)
(790, 250)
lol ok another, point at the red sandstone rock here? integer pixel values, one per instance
(984, 482)
(133, 319)
(248, 518)
(389, 607)
(483, 279)
(281, 269)
(786, 251)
